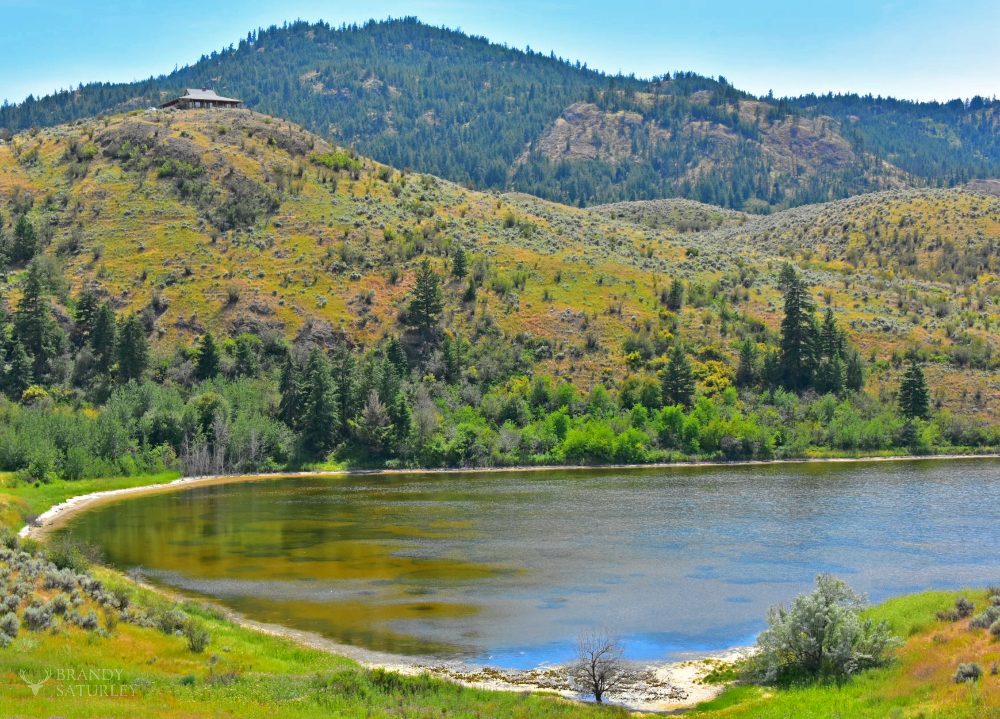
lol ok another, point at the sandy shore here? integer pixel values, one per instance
(648, 687)
(651, 686)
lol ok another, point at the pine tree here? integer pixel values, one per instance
(675, 298)
(460, 263)
(426, 302)
(747, 373)
(319, 421)
(87, 306)
(292, 393)
(914, 397)
(34, 326)
(207, 366)
(103, 338)
(19, 375)
(798, 332)
(854, 371)
(133, 349)
(345, 382)
(25, 244)
(678, 378)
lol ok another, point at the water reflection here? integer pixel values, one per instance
(511, 566)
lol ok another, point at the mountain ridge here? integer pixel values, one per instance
(486, 115)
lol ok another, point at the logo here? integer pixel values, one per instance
(33, 685)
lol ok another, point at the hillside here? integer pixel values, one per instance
(234, 222)
(489, 116)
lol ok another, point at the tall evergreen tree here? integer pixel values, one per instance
(207, 366)
(292, 393)
(19, 375)
(133, 349)
(103, 338)
(854, 371)
(675, 298)
(25, 244)
(87, 306)
(426, 301)
(34, 326)
(677, 382)
(914, 397)
(320, 420)
(747, 372)
(459, 263)
(798, 332)
(345, 380)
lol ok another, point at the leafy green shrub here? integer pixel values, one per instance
(822, 635)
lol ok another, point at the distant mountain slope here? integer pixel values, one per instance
(489, 116)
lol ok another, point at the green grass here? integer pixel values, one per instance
(918, 684)
(33, 499)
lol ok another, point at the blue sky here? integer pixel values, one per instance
(918, 49)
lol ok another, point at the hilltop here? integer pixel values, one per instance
(492, 117)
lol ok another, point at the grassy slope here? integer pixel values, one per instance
(919, 684)
(341, 250)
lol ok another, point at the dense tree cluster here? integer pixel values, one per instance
(86, 397)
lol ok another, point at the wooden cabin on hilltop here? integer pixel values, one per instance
(200, 99)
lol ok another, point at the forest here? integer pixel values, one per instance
(438, 101)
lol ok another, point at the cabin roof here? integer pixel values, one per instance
(205, 96)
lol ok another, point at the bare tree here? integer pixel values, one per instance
(599, 667)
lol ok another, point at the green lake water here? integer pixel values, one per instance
(508, 568)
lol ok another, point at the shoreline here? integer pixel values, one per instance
(56, 515)
(652, 686)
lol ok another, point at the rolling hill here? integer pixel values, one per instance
(235, 221)
(492, 117)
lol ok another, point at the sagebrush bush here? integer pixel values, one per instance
(197, 637)
(37, 617)
(822, 635)
(10, 624)
(968, 672)
(985, 619)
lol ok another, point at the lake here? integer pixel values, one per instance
(508, 568)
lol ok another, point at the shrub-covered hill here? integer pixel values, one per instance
(479, 113)
(237, 222)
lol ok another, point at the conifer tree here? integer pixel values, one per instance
(914, 397)
(290, 387)
(678, 378)
(133, 349)
(460, 263)
(34, 326)
(87, 306)
(675, 298)
(319, 421)
(19, 375)
(345, 382)
(25, 244)
(854, 371)
(747, 372)
(207, 366)
(426, 302)
(103, 338)
(798, 332)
